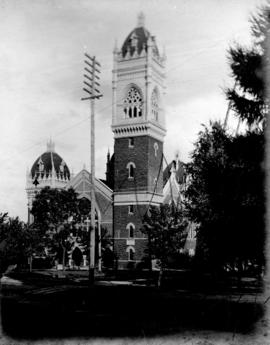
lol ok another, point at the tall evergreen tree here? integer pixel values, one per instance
(226, 189)
(248, 98)
(226, 198)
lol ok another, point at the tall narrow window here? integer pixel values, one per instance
(156, 149)
(130, 255)
(131, 230)
(154, 104)
(131, 209)
(133, 103)
(131, 142)
(131, 170)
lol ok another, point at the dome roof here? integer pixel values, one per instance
(49, 160)
(137, 39)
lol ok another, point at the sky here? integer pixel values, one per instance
(42, 45)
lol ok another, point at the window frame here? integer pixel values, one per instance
(131, 142)
(131, 225)
(130, 209)
(131, 170)
(133, 103)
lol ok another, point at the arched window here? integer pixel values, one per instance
(131, 230)
(154, 104)
(133, 103)
(131, 170)
(131, 252)
(130, 255)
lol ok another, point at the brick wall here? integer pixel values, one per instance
(143, 156)
(147, 157)
(121, 219)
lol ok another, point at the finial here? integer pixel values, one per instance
(177, 159)
(50, 146)
(53, 170)
(141, 20)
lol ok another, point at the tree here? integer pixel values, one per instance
(57, 214)
(226, 197)
(226, 189)
(53, 207)
(248, 98)
(17, 242)
(165, 227)
(59, 217)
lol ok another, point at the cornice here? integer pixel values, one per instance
(139, 129)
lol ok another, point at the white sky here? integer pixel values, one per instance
(41, 76)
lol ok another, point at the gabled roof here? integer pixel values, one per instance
(82, 182)
(179, 168)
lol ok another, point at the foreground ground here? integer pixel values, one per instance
(110, 310)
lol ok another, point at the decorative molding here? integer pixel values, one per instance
(125, 238)
(130, 242)
(139, 129)
(139, 198)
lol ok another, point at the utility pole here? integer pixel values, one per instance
(91, 88)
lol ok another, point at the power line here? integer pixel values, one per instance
(110, 105)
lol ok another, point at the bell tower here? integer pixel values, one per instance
(138, 124)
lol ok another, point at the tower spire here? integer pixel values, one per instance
(53, 170)
(50, 146)
(141, 20)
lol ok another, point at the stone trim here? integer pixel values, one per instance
(133, 238)
(121, 199)
(139, 129)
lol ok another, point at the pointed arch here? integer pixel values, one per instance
(133, 102)
(131, 230)
(131, 253)
(131, 170)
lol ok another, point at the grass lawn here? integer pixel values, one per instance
(51, 307)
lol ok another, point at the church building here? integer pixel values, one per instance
(134, 174)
